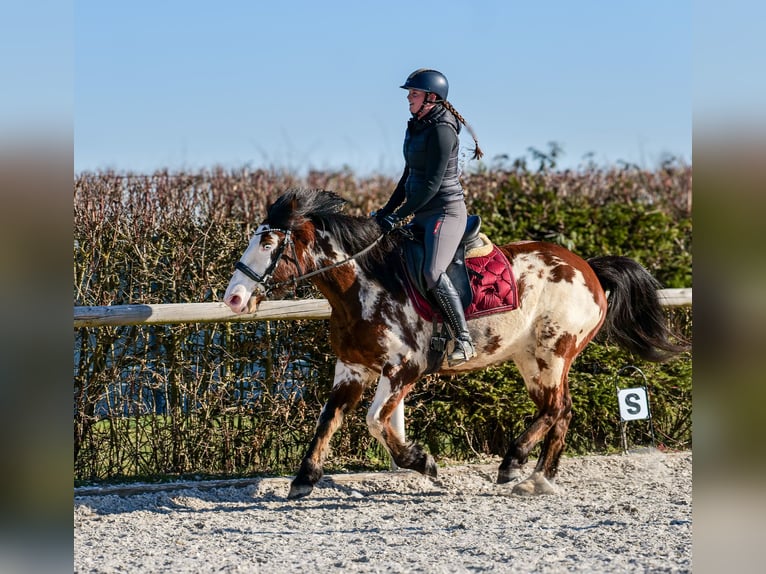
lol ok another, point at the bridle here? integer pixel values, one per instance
(263, 280)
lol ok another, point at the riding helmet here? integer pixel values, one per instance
(427, 80)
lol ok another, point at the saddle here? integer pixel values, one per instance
(413, 259)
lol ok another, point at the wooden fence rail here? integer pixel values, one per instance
(267, 310)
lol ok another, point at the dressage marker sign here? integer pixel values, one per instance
(633, 403)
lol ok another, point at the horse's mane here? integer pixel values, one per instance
(324, 210)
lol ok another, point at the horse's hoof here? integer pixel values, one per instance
(506, 475)
(534, 485)
(299, 491)
(430, 468)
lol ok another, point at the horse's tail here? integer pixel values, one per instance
(634, 317)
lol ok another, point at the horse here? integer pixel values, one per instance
(380, 339)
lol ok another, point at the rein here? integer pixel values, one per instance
(262, 279)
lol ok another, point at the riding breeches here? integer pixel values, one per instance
(443, 230)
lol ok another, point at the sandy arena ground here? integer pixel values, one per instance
(617, 513)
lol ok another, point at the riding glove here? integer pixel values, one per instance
(389, 222)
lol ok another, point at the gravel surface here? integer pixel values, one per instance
(617, 513)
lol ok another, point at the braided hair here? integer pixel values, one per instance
(477, 153)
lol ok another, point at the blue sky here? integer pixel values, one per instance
(299, 85)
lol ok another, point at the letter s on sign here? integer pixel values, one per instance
(632, 404)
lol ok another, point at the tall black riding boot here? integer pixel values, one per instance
(449, 303)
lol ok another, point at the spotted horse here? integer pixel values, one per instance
(380, 339)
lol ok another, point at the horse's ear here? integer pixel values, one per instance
(283, 212)
(289, 213)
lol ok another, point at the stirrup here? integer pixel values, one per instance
(462, 352)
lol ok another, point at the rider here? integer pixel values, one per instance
(430, 190)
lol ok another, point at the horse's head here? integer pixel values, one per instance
(255, 269)
(277, 252)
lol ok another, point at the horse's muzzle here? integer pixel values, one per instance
(240, 300)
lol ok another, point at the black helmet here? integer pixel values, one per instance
(427, 81)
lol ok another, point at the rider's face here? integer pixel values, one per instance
(416, 99)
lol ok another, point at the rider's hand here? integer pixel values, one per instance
(389, 222)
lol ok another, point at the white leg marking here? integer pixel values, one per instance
(382, 394)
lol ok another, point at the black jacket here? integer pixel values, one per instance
(430, 178)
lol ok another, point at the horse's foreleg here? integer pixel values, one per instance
(394, 385)
(347, 389)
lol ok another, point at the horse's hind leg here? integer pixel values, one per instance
(540, 482)
(553, 445)
(511, 468)
(548, 389)
(349, 383)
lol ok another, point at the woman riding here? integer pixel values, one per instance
(430, 190)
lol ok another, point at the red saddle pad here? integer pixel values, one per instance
(492, 283)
